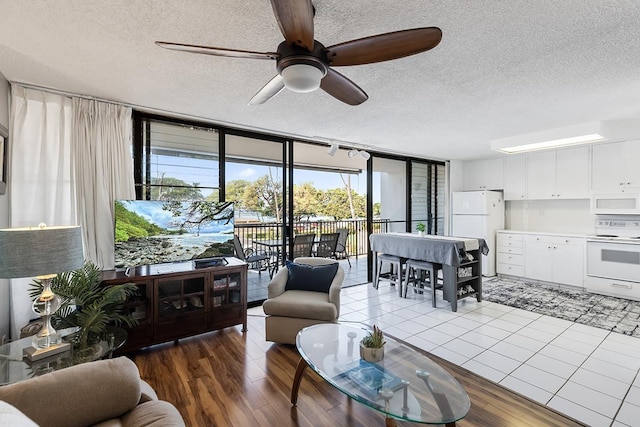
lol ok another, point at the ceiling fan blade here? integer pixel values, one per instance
(218, 51)
(295, 18)
(343, 89)
(271, 89)
(384, 47)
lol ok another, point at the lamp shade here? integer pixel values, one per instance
(38, 251)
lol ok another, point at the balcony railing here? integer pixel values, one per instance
(356, 240)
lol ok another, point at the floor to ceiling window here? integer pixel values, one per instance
(177, 162)
(281, 188)
(427, 205)
(390, 194)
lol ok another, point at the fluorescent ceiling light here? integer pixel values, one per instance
(585, 133)
(554, 143)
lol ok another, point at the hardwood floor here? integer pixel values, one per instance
(227, 378)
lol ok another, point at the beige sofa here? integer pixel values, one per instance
(290, 311)
(104, 393)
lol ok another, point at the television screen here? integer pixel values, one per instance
(160, 231)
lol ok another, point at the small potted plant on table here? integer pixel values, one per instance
(421, 229)
(372, 346)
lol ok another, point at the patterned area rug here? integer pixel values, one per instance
(614, 314)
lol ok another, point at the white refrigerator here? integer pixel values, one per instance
(479, 214)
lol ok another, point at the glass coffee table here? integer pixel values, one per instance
(405, 385)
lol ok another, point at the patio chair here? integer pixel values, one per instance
(327, 245)
(341, 247)
(302, 245)
(257, 260)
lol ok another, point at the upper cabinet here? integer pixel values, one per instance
(483, 175)
(559, 174)
(515, 177)
(615, 166)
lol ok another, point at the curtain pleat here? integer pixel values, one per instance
(103, 167)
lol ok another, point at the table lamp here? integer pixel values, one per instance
(41, 252)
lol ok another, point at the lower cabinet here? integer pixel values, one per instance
(178, 301)
(548, 258)
(510, 260)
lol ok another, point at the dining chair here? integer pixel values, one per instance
(341, 247)
(327, 245)
(257, 260)
(302, 245)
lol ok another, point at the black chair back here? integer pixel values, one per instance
(302, 245)
(327, 245)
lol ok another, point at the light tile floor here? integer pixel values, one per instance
(585, 372)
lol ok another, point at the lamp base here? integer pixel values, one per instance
(33, 354)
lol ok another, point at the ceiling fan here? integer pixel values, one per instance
(304, 64)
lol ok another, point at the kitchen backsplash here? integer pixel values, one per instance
(556, 216)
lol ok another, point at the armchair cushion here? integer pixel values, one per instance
(302, 304)
(304, 277)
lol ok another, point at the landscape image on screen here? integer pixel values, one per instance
(160, 231)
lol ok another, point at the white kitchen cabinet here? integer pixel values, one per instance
(558, 174)
(554, 259)
(483, 174)
(515, 177)
(510, 259)
(615, 166)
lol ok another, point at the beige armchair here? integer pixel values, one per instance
(102, 393)
(288, 311)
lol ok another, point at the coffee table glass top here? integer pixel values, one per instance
(406, 384)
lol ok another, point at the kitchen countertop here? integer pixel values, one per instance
(546, 233)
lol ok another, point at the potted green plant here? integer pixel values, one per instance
(421, 228)
(372, 346)
(88, 305)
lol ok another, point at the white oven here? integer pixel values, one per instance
(613, 268)
(613, 260)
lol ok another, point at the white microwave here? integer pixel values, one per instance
(615, 203)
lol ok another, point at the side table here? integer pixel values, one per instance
(14, 368)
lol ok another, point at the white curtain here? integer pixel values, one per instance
(70, 159)
(41, 190)
(101, 152)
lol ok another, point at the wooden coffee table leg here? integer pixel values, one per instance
(302, 365)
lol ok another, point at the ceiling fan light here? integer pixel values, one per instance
(302, 77)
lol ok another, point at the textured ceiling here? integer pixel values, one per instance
(503, 68)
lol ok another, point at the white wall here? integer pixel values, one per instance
(555, 216)
(393, 191)
(4, 212)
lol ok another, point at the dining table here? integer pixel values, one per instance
(459, 257)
